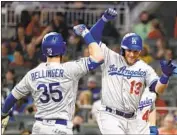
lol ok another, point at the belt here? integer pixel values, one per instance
(57, 121)
(125, 115)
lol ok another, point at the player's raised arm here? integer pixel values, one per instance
(96, 56)
(97, 29)
(167, 70)
(15, 95)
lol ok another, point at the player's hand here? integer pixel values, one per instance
(167, 67)
(109, 14)
(80, 30)
(153, 130)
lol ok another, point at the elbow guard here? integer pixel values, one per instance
(93, 64)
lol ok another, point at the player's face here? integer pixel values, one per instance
(131, 56)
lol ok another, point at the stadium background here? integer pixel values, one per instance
(23, 25)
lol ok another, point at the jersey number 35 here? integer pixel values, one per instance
(49, 90)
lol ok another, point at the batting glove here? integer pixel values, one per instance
(153, 130)
(80, 30)
(109, 14)
(167, 67)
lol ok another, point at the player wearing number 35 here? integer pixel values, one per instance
(124, 78)
(54, 85)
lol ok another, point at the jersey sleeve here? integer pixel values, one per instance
(107, 53)
(151, 76)
(78, 68)
(22, 88)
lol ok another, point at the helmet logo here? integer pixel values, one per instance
(133, 40)
(49, 51)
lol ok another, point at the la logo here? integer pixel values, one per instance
(49, 51)
(133, 40)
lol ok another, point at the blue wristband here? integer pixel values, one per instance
(153, 130)
(88, 38)
(164, 79)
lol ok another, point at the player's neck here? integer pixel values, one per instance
(54, 59)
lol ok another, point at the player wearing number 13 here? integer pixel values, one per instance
(54, 85)
(124, 78)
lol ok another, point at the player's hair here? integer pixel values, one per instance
(56, 56)
(122, 51)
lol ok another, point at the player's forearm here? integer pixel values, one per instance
(97, 30)
(94, 50)
(152, 118)
(9, 103)
(160, 87)
(96, 56)
(152, 121)
(161, 84)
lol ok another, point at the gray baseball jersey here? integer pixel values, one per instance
(123, 85)
(53, 87)
(146, 105)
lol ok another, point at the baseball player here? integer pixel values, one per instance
(124, 78)
(95, 109)
(54, 85)
(146, 114)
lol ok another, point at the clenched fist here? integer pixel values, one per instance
(109, 14)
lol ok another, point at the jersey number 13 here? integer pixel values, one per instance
(135, 87)
(48, 90)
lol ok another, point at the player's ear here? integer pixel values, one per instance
(61, 58)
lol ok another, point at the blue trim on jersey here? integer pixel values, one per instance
(9, 103)
(97, 30)
(141, 107)
(93, 64)
(153, 85)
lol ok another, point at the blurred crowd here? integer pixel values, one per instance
(22, 52)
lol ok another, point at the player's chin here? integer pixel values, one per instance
(131, 61)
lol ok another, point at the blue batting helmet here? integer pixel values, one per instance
(132, 41)
(53, 44)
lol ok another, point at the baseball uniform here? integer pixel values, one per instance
(54, 88)
(146, 105)
(122, 87)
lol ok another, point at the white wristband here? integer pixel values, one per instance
(104, 19)
(84, 32)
